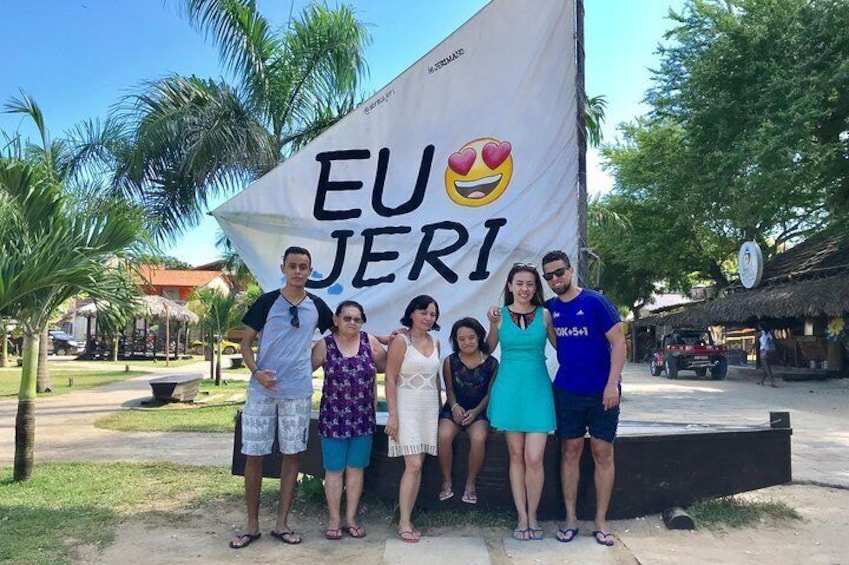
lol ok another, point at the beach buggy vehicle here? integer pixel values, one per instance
(689, 350)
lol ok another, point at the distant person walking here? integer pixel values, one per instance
(280, 390)
(591, 353)
(766, 345)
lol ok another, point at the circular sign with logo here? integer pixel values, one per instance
(750, 264)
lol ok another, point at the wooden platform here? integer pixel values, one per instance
(181, 387)
(657, 466)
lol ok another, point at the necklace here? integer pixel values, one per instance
(298, 301)
(522, 319)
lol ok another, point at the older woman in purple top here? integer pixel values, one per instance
(351, 359)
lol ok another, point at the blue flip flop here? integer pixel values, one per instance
(562, 534)
(603, 539)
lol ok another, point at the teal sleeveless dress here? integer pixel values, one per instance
(521, 399)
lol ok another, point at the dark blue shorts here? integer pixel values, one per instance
(577, 413)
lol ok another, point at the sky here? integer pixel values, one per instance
(78, 58)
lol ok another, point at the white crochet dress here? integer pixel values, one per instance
(418, 405)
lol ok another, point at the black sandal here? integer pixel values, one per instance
(251, 538)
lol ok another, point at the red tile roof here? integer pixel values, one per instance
(154, 275)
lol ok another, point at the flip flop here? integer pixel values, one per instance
(445, 494)
(536, 533)
(333, 533)
(470, 497)
(520, 535)
(288, 536)
(601, 537)
(355, 531)
(251, 538)
(408, 536)
(565, 535)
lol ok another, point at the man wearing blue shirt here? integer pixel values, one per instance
(591, 353)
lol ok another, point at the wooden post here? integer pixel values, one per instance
(779, 420)
(834, 356)
(167, 337)
(676, 518)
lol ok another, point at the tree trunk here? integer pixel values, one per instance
(218, 364)
(43, 378)
(115, 342)
(167, 338)
(211, 355)
(25, 420)
(4, 344)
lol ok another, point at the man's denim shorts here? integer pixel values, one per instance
(577, 413)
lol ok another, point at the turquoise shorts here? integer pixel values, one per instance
(348, 452)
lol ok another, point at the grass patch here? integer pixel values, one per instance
(311, 500)
(737, 512)
(70, 504)
(83, 378)
(207, 419)
(215, 415)
(463, 518)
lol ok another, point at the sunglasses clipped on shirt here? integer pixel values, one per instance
(555, 273)
(296, 322)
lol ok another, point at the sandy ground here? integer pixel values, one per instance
(821, 537)
(819, 415)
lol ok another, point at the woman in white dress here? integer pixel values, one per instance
(412, 397)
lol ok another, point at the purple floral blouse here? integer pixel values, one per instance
(347, 397)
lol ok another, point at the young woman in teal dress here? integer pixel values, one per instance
(521, 403)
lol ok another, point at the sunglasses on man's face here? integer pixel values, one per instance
(555, 273)
(296, 322)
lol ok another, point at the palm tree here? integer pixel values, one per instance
(219, 315)
(56, 245)
(192, 138)
(594, 114)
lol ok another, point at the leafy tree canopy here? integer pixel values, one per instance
(747, 137)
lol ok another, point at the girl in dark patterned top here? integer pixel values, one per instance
(468, 374)
(351, 359)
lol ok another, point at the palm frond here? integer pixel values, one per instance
(194, 139)
(320, 64)
(243, 36)
(26, 105)
(594, 111)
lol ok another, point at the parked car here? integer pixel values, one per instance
(65, 344)
(227, 347)
(689, 350)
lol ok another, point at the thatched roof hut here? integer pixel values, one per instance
(809, 280)
(159, 306)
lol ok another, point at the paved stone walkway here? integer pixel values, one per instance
(819, 416)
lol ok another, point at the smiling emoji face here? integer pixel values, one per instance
(479, 172)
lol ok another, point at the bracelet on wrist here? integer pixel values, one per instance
(456, 404)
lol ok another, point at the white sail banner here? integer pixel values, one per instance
(464, 164)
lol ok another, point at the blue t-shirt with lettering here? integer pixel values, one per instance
(582, 347)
